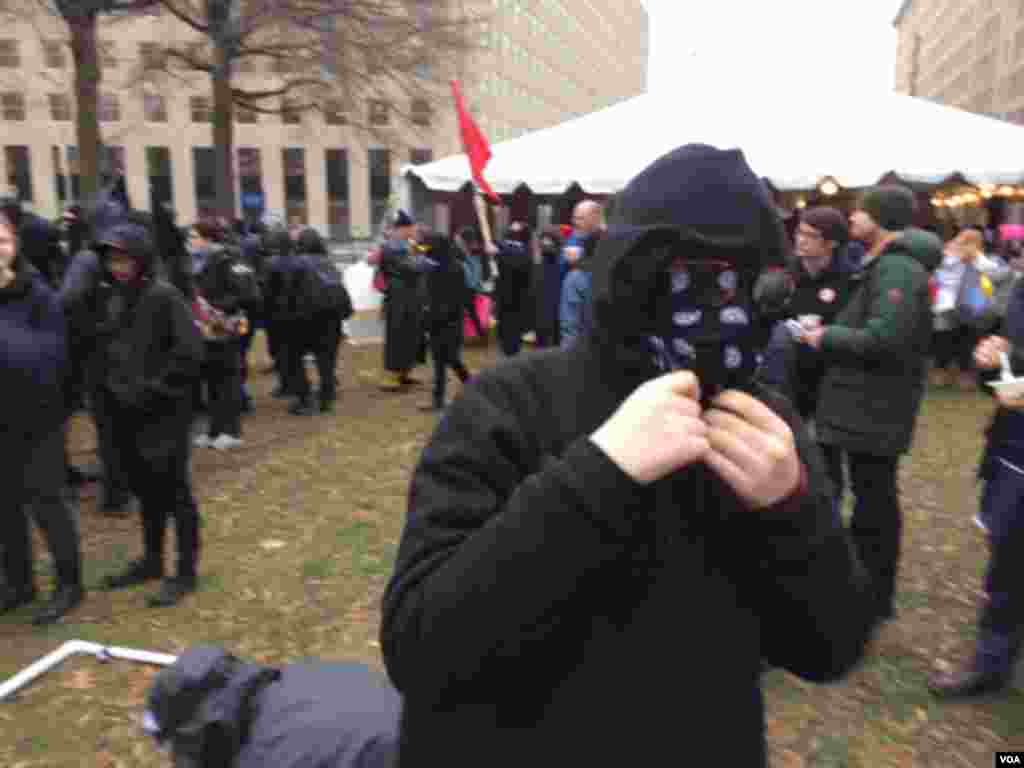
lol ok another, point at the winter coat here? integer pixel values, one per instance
(875, 356)
(403, 306)
(39, 242)
(308, 715)
(547, 609)
(548, 293)
(447, 292)
(285, 291)
(33, 361)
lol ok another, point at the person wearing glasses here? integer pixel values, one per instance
(597, 530)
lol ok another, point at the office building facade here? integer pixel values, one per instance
(533, 64)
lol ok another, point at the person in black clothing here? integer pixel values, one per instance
(219, 277)
(150, 350)
(286, 311)
(33, 378)
(595, 532)
(79, 294)
(39, 241)
(547, 290)
(446, 292)
(321, 334)
(512, 288)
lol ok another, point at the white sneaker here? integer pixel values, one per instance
(202, 441)
(226, 442)
(980, 523)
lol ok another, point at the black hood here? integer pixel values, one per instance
(309, 241)
(701, 200)
(277, 242)
(133, 236)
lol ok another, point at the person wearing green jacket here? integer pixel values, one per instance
(871, 391)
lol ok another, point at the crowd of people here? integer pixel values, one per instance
(704, 388)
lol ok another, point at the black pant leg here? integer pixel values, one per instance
(326, 341)
(510, 334)
(877, 524)
(944, 347)
(115, 480)
(225, 388)
(966, 340)
(52, 509)
(15, 538)
(293, 345)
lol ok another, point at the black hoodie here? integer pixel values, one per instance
(546, 609)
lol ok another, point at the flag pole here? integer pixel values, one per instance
(481, 215)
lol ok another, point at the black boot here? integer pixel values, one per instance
(13, 599)
(137, 572)
(171, 592)
(63, 601)
(301, 407)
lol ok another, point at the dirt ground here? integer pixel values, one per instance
(299, 532)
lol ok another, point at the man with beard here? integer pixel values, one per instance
(596, 531)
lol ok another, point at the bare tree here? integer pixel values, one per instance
(82, 19)
(327, 55)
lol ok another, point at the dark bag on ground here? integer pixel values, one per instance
(213, 710)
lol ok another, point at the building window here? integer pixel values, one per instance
(109, 108)
(250, 182)
(200, 108)
(334, 114)
(420, 112)
(74, 171)
(53, 54)
(380, 186)
(289, 114)
(9, 54)
(294, 159)
(158, 171)
(60, 181)
(245, 116)
(19, 171)
(379, 113)
(206, 186)
(421, 156)
(339, 221)
(155, 108)
(13, 106)
(60, 107)
(151, 57)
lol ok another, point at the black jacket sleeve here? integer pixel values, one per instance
(802, 573)
(482, 572)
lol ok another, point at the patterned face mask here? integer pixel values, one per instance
(706, 326)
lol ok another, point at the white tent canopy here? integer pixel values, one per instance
(855, 139)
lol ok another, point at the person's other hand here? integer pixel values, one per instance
(490, 249)
(657, 429)
(813, 336)
(751, 449)
(1013, 403)
(986, 354)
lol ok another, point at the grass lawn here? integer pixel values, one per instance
(299, 532)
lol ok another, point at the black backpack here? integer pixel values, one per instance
(326, 287)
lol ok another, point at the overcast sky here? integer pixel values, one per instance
(834, 43)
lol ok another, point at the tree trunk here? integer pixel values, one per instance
(223, 132)
(82, 27)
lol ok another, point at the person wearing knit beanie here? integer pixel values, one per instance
(891, 206)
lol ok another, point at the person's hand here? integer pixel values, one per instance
(657, 429)
(1013, 403)
(986, 354)
(751, 449)
(812, 337)
(6, 276)
(490, 249)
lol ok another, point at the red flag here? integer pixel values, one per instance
(474, 143)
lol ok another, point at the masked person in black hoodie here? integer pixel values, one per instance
(150, 350)
(594, 532)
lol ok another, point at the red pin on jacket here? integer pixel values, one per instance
(474, 144)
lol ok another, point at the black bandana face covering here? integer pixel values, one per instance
(706, 325)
